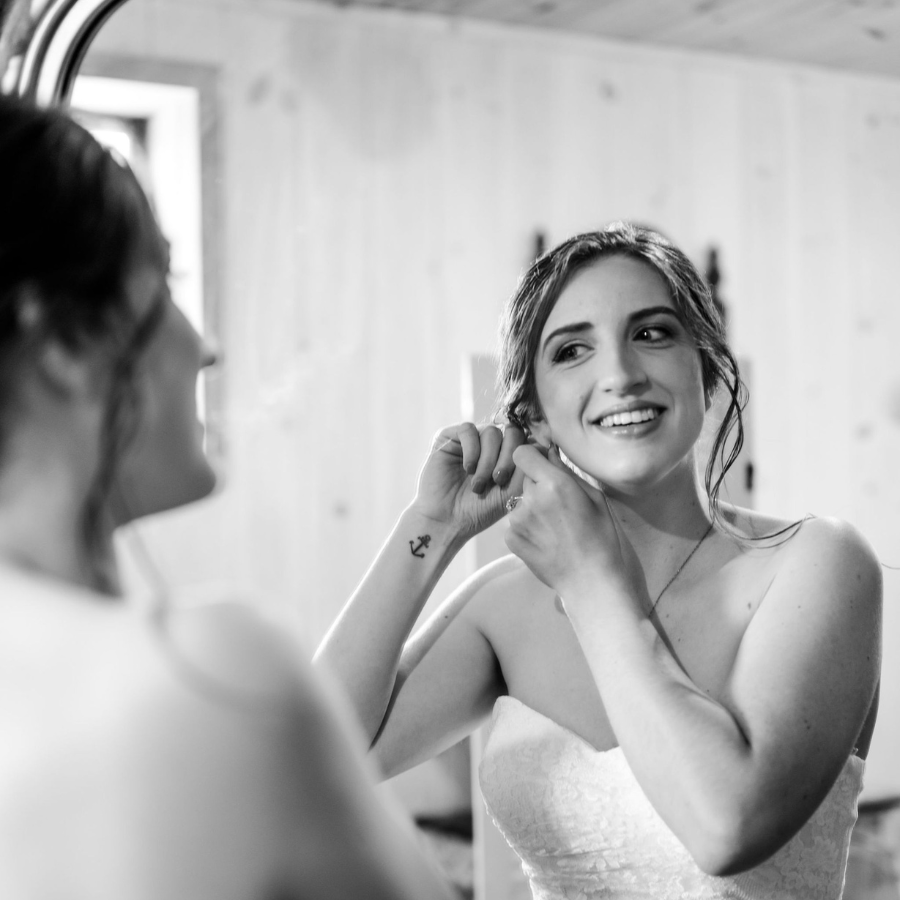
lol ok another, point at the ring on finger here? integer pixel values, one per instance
(513, 502)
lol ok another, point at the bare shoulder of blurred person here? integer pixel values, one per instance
(196, 757)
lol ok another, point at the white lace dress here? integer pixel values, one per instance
(584, 830)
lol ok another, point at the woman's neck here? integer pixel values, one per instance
(664, 525)
(670, 511)
(41, 530)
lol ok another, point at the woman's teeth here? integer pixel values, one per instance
(633, 417)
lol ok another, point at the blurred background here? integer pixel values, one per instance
(353, 188)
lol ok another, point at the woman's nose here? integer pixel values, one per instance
(209, 354)
(620, 370)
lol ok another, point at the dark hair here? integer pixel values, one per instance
(528, 309)
(74, 223)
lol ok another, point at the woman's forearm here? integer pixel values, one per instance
(363, 647)
(687, 751)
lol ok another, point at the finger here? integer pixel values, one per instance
(556, 460)
(518, 488)
(445, 441)
(515, 487)
(490, 439)
(531, 461)
(512, 437)
(470, 442)
(554, 457)
(533, 442)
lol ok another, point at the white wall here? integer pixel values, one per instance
(383, 175)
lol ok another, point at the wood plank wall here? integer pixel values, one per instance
(383, 177)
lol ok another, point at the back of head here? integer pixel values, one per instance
(72, 221)
(74, 224)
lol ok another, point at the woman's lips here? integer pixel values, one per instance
(633, 424)
(630, 417)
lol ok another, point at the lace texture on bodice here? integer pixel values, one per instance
(584, 830)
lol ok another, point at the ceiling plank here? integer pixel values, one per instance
(857, 35)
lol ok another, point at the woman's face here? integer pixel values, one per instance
(618, 377)
(164, 466)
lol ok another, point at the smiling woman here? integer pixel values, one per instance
(667, 298)
(664, 723)
(630, 349)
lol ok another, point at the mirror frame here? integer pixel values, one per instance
(58, 39)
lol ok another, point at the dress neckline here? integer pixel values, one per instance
(557, 725)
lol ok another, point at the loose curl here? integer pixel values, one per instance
(528, 309)
(75, 222)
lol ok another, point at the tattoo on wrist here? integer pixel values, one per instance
(424, 541)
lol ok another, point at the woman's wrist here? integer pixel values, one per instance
(429, 536)
(599, 589)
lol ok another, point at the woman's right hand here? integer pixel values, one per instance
(469, 476)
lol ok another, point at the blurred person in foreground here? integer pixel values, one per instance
(184, 753)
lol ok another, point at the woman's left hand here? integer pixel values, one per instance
(563, 528)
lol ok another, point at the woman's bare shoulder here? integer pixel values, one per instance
(219, 687)
(498, 585)
(757, 527)
(813, 550)
(257, 752)
(808, 533)
(237, 641)
(217, 677)
(839, 555)
(180, 728)
(759, 524)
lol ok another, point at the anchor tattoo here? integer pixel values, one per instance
(424, 541)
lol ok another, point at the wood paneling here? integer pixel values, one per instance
(860, 35)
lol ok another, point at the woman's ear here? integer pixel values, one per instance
(540, 432)
(58, 368)
(67, 373)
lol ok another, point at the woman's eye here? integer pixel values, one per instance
(567, 353)
(653, 334)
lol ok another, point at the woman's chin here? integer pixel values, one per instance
(200, 485)
(204, 484)
(162, 495)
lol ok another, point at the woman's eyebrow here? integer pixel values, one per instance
(654, 311)
(573, 328)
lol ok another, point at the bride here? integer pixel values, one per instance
(682, 692)
(180, 749)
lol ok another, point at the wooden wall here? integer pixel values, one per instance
(382, 179)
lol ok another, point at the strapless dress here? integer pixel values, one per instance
(584, 830)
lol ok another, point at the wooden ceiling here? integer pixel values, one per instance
(860, 35)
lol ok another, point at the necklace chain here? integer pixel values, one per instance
(679, 569)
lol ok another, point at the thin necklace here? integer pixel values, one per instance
(678, 570)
